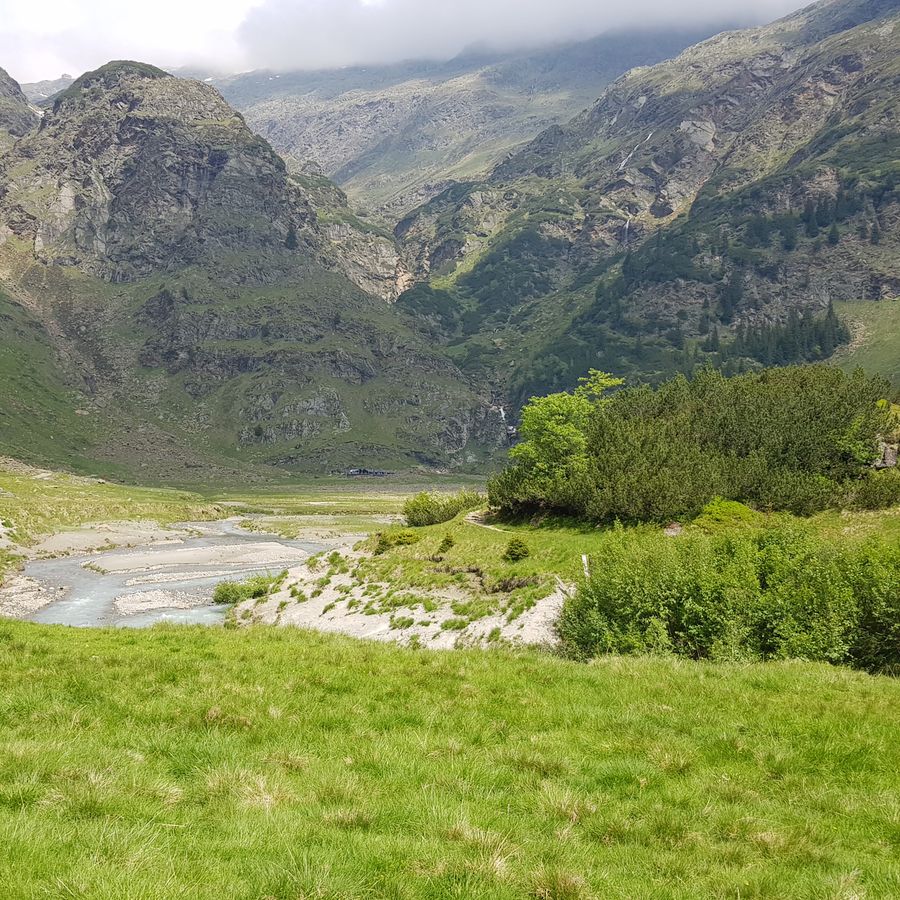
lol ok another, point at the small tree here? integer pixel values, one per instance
(291, 240)
(516, 550)
(552, 459)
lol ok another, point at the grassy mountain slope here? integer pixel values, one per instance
(40, 416)
(875, 338)
(698, 201)
(282, 763)
(391, 135)
(202, 301)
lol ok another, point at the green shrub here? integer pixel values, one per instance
(446, 544)
(721, 514)
(874, 573)
(797, 438)
(228, 592)
(771, 593)
(876, 490)
(385, 540)
(253, 588)
(434, 508)
(516, 550)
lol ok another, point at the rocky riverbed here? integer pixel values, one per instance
(162, 574)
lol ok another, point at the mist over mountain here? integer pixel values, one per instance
(394, 135)
(285, 35)
(230, 36)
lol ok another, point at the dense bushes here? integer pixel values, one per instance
(800, 438)
(769, 593)
(434, 508)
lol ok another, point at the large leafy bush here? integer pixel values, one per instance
(770, 593)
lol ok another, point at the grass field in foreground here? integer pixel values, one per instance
(275, 763)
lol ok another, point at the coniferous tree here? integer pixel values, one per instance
(789, 232)
(809, 219)
(824, 212)
(730, 295)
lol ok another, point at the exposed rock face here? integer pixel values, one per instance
(96, 186)
(16, 116)
(738, 105)
(133, 171)
(888, 458)
(368, 255)
(370, 260)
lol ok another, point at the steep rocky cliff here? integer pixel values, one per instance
(687, 215)
(195, 300)
(133, 170)
(16, 116)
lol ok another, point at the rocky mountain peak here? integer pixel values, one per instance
(134, 170)
(110, 75)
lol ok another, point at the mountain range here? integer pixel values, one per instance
(394, 136)
(697, 210)
(194, 304)
(178, 299)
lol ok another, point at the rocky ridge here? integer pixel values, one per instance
(95, 186)
(393, 136)
(16, 116)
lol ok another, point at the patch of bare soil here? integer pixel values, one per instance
(428, 621)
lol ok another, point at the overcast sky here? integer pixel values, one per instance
(44, 40)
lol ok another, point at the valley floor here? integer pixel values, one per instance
(254, 761)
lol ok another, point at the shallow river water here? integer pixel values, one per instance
(171, 580)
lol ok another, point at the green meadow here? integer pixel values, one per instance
(284, 764)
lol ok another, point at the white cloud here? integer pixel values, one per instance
(55, 36)
(76, 35)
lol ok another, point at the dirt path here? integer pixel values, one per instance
(477, 518)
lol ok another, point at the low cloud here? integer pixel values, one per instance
(232, 35)
(311, 34)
